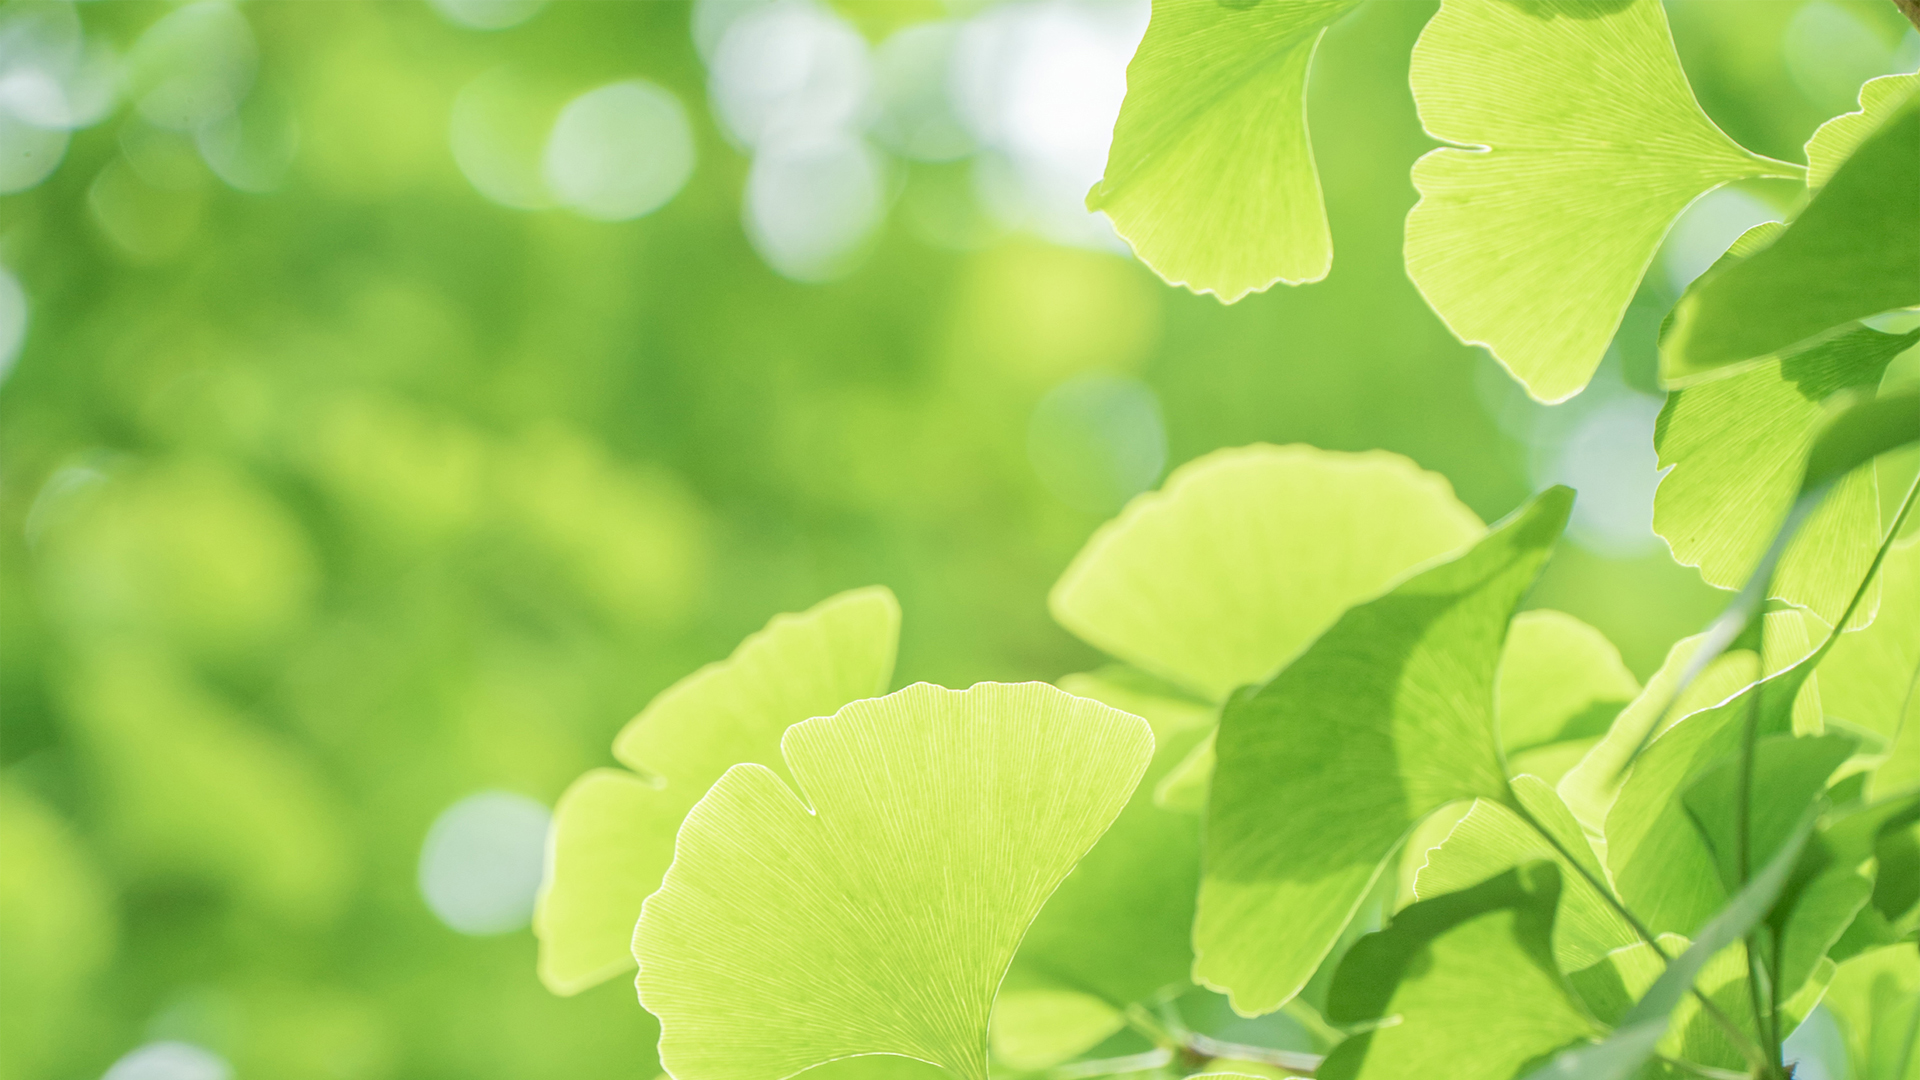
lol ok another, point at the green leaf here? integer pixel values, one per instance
(1591, 787)
(1853, 252)
(1037, 1028)
(878, 916)
(1867, 680)
(1120, 926)
(1860, 432)
(1322, 772)
(1560, 680)
(1492, 838)
(1470, 977)
(1641, 1029)
(1210, 176)
(1839, 137)
(613, 830)
(1788, 773)
(1245, 555)
(1876, 998)
(1583, 137)
(1661, 866)
(1738, 446)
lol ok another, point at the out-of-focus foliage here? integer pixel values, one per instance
(397, 397)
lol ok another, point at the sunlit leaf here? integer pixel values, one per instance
(1120, 926)
(1876, 999)
(1036, 1028)
(1492, 838)
(1867, 680)
(1244, 555)
(613, 830)
(1385, 718)
(1591, 787)
(878, 916)
(1738, 446)
(1583, 137)
(1561, 681)
(1660, 865)
(1632, 1042)
(1834, 141)
(1210, 177)
(1853, 252)
(1470, 977)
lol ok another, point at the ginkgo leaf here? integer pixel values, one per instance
(1471, 979)
(879, 915)
(1244, 555)
(1868, 678)
(1876, 998)
(1492, 838)
(1210, 176)
(1120, 926)
(1853, 252)
(1737, 447)
(1591, 787)
(1561, 684)
(1642, 1028)
(1387, 717)
(1836, 140)
(613, 830)
(1585, 143)
(1660, 865)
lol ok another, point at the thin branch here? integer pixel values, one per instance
(1114, 1066)
(1911, 9)
(1694, 1069)
(1291, 1060)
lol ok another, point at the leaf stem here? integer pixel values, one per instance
(1719, 1016)
(1079, 1070)
(1695, 1069)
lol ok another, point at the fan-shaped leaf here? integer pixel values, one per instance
(613, 830)
(1244, 555)
(1470, 977)
(1738, 446)
(1585, 139)
(879, 916)
(1853, 252)
(1561, 685)
(1385, 718)
(1210, 176)
(1492, 838)
(1836, 140)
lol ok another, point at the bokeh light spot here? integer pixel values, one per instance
(788, 69)
(481, 863)
(13, 320)
(1707, 229)
(1608, 457)
(28, 154)
(1097, 440)
(619, 151)
(1829, 52)
(496, 131)
(916, 118)
(194, 66)
(170, 1060)
(813, 203)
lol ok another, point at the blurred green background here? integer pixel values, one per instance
(397, 395)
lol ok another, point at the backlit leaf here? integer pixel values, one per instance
(1582, 136)
(1876, 998)
(879, 915)
(1834, 141)
(1492, 838)
(1470, 977)
(1561, 681)
(1210, 177)
(1738, 446)
(1853, 252)
(1387, 717)
(613, 830)
(1244, 555)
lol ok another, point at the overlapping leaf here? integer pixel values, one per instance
(1561, 685)
(1876, 999)
(1324, 770)
(1492, 839)
(1471, 978)
(879, 915)
(1853, 252)
(1585, 144)
(1211, 177)
(1738, 446)
(1244, 555)
(613, 830)
(1117, 930)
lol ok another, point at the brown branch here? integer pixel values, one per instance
(1911, 9)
